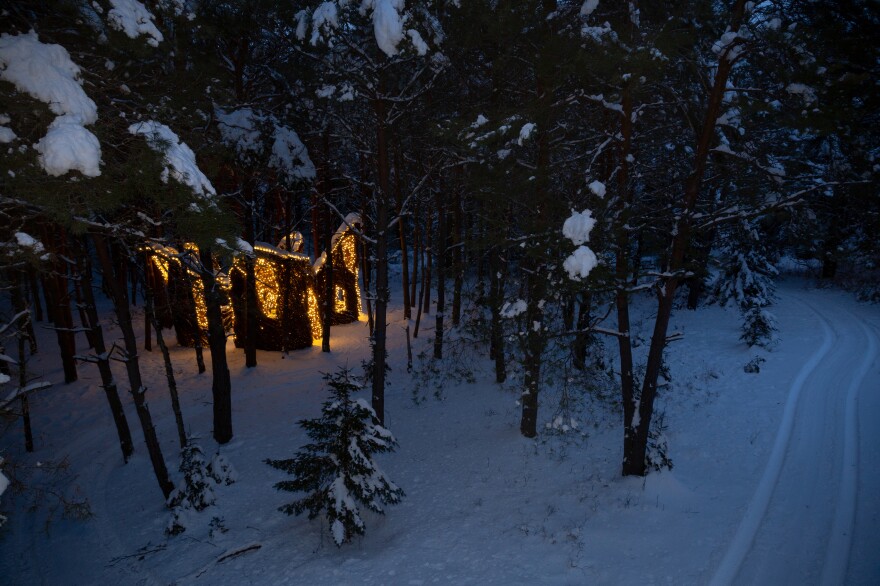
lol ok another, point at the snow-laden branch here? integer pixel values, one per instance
(179, 159)
(735, 213)
(22, 391)
(14, 320)
(132, 18)
(47, 73)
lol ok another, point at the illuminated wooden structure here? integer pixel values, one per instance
(187, 294)
(183, 293)
(157, 259)
(289, 316)
(289, 291)
(346, 302)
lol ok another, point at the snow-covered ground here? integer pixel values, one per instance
(776, 477)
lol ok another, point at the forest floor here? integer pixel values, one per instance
(776, 476)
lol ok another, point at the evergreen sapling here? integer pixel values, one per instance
(747, 281)
(195, 490)
(336, 471)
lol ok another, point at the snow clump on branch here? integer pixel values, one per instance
(251, 134)
(513, 308)
(6, 134)
(577, 228)
(179, 158)
(325, 16)
(132, 18)
(598, 188)
(389, 18)
(588, 7)
(47, 73)
(525, 132)
(581, 263)
(583, 260)
(25, 240)
(387, 23)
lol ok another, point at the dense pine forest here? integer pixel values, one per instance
(398, 198)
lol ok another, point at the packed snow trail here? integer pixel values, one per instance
(837, 555)
(750, 524)
(799, 523)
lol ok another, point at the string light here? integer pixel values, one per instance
(197, 288)
(271, 265)
(269, 283)
(199, 299)
(340, 304)
(314, 314)
(344, 253)
(162, 264)
(266, 276)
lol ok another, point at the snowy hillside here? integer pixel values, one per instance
(774, 482)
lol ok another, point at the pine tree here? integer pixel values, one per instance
(337, 471)
(195, 490)
(746, 280)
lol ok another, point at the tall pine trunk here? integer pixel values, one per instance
(251, 309)
(622, 272)
(536, 285)
(34, 287)
(80, 309)
(329, 289)
(636, 444)
(536, 278)
(382, 293)
(24, 332)
(457, 251)
(497, 272)
(102, 358)
(366, 260)
(401, 230)
(582, 337)
(427, 251)
(197, 339)
(440, 259)
(60, 312)
(132, 365)
(221, 383)
(416, 256)
(150, 312)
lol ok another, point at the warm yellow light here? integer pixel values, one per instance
(158, 255)
(162, 264)
(267, 287)
(314, 313)
(340, 304)
(199, 299)
(198, 288)
(345, 246)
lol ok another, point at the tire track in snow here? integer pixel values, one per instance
(837, 554)
(751, 522)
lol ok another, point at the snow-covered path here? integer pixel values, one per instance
(821, 477)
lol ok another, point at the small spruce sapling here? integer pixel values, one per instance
(195, 491)
(759, 327)
(196, 488)
(336, 471)
(747, 281)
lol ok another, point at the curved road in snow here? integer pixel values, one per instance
(822, 472)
